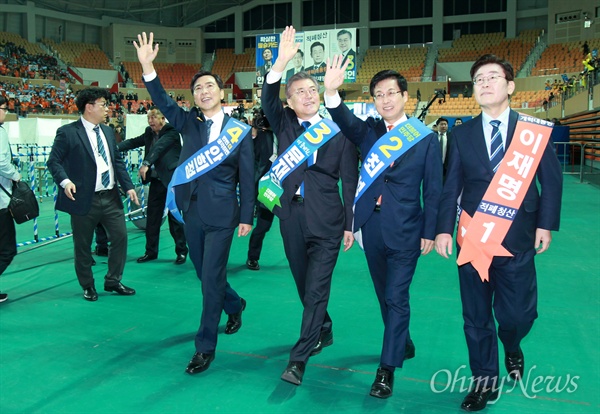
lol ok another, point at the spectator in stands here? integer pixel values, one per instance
(8, 174)
(502, 288)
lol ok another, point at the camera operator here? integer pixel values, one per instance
(265, 152)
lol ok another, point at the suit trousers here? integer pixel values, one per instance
(8, 239)
(157, 197)
(209, 252)
(105, 209)
(510, 296)
(312, 260)
(392, 272)
(263, 225)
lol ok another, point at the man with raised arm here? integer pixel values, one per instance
(217, 154)
(401, 165)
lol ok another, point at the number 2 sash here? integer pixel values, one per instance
(205, 159)
(387, 149)
(481, 236)
(269, 186)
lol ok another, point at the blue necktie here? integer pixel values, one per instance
(497, 149)
(310, 159)
(102, 152)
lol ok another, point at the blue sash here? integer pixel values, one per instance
(205, 159)
(269, 186)
(387, 149)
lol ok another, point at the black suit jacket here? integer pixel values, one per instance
(72, 157)
(217, 189)
(337, 159)
(164, 154)
(470, 173)
(415, 176)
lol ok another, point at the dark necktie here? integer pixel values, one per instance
(209, 123)
(497, 149)
(311, 157)
(102, 152)
(378, 202)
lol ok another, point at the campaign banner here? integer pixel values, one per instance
(316, 47)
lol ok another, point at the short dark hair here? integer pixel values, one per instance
(201, 73)
(440, 120)
(299, 51)
(89, 96)
(315, 45)
(343, 32)
(507, 68)
(297, 77)
(388, 74)
(2, 100)
(157, 110)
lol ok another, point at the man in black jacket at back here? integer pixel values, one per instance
(162, 148)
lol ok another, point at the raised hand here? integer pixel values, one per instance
(145, 52)
(334, 76)
(287, 48)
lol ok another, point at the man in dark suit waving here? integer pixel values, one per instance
(510, 293)
(395, 229)
(85, 162)
(209, 202)
(312, 217)
(162, 146)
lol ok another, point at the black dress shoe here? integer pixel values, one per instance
(121, 289)
(90, 294)
(252, 264)
(294, 372)
(180, 259)
(383, 384)
(101, 251)
(515, 364)
(199, 363)
(477, 399)
(409, 350)
(325, 340)
(146, 258)
(234, 321)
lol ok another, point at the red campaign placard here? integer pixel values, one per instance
(481, 236)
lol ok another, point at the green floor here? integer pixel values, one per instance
(61, 354)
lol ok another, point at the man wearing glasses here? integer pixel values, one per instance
(313, 219)
(87, 165)
(509, 295)
(396, 229)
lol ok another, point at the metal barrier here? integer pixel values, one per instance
(31, 163)
(589, 151)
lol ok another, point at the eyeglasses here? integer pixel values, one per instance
(4, 108)
(104, 104)
(492, 79)
(303, 93)
(390, 94)
(209, 87)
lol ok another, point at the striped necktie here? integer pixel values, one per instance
(102, 152)
(497, 149)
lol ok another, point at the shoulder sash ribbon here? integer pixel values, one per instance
(481, 236)
(205, 159)
(269, 186)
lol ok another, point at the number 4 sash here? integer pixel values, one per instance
(481, 236)
(269, 186)
(387, 149)
(205, 159)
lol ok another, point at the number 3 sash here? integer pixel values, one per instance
(481, 236)
(387, 149)
(269, 186)
(205, 159)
